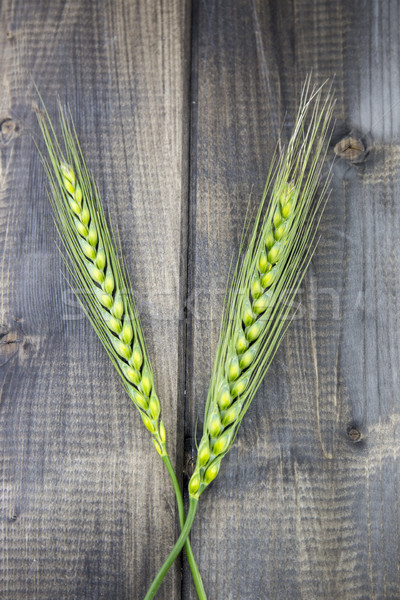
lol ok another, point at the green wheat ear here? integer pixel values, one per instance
(98, 276)
(270, 268)
(265, 281)
(101, 284)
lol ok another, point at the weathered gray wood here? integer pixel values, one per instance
(86, 507)
(302, 508)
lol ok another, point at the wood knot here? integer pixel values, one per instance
(8, 345)
(352, 149)
(8, 130)
(354, 434)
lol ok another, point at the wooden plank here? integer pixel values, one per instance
(87, 510)
(306, 503)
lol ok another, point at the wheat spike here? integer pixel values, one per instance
(264, 284)
(270, 268)
(99, 278)
(102, 285)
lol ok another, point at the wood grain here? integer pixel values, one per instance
(306, 504)
(86, 508)
(178, 109)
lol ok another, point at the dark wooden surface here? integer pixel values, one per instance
(178, 107)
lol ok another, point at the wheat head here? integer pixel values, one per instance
(267, 276)
(99, 278)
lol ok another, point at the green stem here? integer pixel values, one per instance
(175, 550)
(188, 548)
